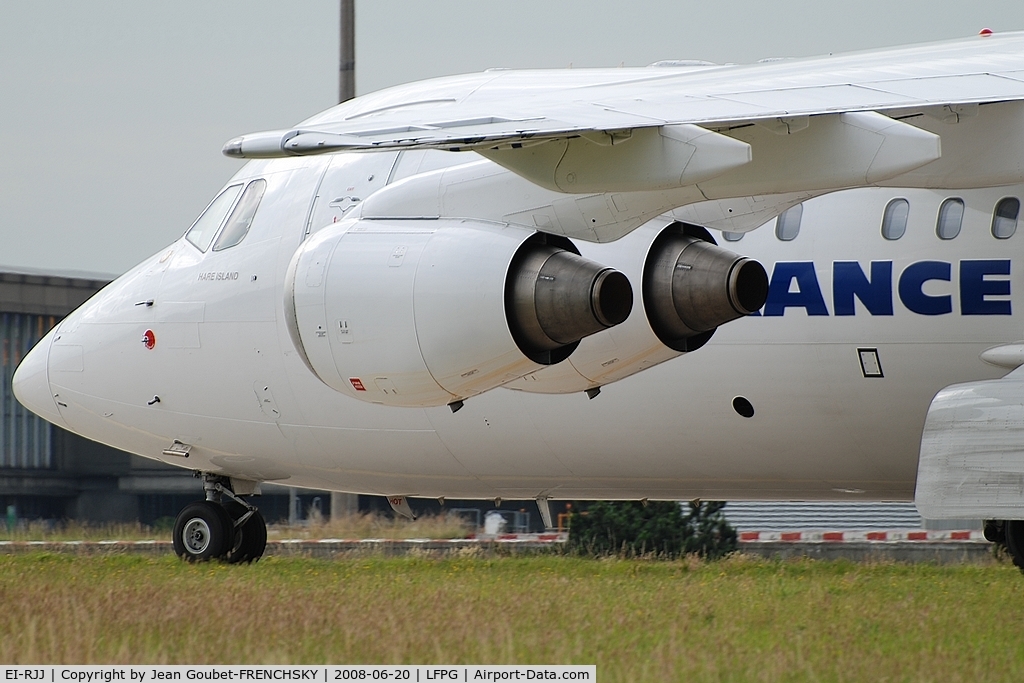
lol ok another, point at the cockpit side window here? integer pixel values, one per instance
(238, 222)
(202, 232)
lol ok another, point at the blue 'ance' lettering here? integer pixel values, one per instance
(850, 283)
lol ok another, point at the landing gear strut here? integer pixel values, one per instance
(221, 527)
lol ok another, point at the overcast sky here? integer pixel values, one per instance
(113, 112)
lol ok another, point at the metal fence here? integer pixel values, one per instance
(774, 516)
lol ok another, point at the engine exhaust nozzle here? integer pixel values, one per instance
(691, 286)
(555, 298)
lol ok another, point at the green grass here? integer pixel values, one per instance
(736, 620)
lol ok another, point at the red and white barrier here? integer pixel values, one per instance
(891, 536)
(901, 535)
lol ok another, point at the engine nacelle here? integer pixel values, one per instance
(427, 312)
(690, 287)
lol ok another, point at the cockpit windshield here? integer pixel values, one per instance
(241, 218)
(202, 232)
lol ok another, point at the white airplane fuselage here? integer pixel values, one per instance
(359, 312)
(231, 384)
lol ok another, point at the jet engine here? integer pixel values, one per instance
(430, 312)
(691, 286)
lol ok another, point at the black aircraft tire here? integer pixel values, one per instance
(259, 537)
(248, 540)
(201, 532)
(1014, 530)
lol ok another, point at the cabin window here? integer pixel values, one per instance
(1004, 219)
(787, 225)
(203, 230)
(894, 219)
(732, 236)
(951, 218)
(238, 222)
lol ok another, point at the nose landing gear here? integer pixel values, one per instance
(231, 530)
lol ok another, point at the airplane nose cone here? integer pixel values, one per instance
(32, 384)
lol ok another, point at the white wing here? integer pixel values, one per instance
(629, 144)
(508, 108)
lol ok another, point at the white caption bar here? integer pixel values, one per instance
(323, 674)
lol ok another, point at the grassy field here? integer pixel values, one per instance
(736, 620)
